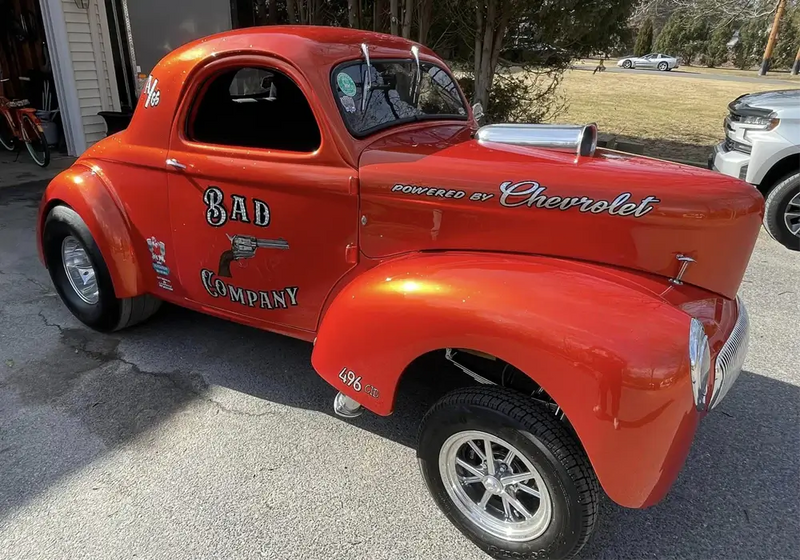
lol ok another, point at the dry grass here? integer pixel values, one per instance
(675, 117)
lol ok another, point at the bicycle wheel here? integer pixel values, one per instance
(7, 139)
(37, 143)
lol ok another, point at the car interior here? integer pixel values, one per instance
(255, 108)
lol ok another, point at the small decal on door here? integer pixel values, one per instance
(158, 252)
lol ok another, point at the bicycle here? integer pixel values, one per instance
(19, 123)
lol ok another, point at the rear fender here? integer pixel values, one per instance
(88, 193)
(611, 354)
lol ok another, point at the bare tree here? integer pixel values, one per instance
(395, 16)
(351, 12)
(491, 23)
(424, 19)
(378, 15)
(273, 12)
(408, 18)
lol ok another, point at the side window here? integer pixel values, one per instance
(254, 108)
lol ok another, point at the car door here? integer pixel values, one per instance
(264, 210)
(647, 62)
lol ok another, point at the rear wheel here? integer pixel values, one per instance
(663, 66)
(37, 143)
(782, 212)
(7, 139)
(508, 474)
(81, 277)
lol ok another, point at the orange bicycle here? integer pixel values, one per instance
(19, 123)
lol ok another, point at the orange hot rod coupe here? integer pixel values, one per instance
(334, 185)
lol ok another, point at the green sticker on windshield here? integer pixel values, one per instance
(346, 84)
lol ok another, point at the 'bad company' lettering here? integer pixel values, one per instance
(217, 214)
(530, 194)
(272, 299)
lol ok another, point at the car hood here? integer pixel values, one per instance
(439, 189)
(772, 100)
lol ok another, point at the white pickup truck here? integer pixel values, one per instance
(762, 147)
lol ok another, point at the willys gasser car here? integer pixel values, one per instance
(334, 185)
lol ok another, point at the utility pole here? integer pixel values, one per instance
(773, 36)
(796, 65)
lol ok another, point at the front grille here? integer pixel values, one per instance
(731, 358)
(732, 145)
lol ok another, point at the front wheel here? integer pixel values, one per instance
(627, 64)
(81, 277)
(508, 474)
(36, 143)
(7, 138)
(782, 212)
(663, 66)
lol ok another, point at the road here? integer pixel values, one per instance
(681, 73)
(190, 437)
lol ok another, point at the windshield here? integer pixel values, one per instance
(394, 94)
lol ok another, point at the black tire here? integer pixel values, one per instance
(37, 148)
(627, 64)
(663, 66)
(778, 206)
(7, 139)
(109, 313)
(544, 440)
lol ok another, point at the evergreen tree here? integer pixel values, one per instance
(716, 49)
(644, 41)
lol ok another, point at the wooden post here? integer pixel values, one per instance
(796, 65)
(773, 37)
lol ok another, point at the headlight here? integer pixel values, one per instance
(764, 123)
(700, 360)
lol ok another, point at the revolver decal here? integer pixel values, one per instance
(244, 247)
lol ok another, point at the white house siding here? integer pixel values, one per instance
(92, 64)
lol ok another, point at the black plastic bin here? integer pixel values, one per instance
(116, 120)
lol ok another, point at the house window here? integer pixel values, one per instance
(255, 108)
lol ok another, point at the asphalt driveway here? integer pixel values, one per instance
(191, 437)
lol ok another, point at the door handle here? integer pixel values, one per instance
(172, 162)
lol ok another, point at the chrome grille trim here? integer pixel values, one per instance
(731, 358)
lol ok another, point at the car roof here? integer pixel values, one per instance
(323, 45)
(312, 50)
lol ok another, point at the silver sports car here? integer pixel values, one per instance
(653, 61)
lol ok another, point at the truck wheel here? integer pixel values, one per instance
(508, 474)
(81, 277)
(782, 213)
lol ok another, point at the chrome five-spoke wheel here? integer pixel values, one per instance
(495, 486)
(79, 269)
(508, 473)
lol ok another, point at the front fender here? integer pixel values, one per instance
(612, 354)
(86, 191)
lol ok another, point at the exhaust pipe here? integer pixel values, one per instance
(580, 140)
(346, 407)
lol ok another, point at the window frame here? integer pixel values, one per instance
(198, 88)
(399, 122)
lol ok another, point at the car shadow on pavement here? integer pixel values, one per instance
(737, 496)
(733, 499)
